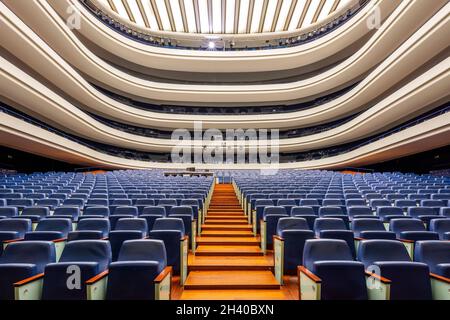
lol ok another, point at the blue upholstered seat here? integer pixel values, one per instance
(371, 229)
(436, 254)
(50, 229)
(90, 229)
(411, 229)
(442, 227)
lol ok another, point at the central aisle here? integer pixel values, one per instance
(228, 263)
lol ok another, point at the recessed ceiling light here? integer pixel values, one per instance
(211, 45)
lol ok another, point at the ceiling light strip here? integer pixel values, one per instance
(318, 11)
(289, 16)
(112, 5)
(251, 8)
(263, 15)
(304, 12)
(156, 13)
(143, 14)
(170, 14)
(276, 15)
(128, 10)
(183, 16)
(334, 7)
(197, 16)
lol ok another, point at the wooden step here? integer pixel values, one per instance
(233, 279)
(236, 241)
(226, 233)
(234, 250)
(225, 217)
(218, 227)
(230, 263)
(211, 222)
(240, 294)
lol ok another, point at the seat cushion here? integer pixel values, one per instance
(442, 269)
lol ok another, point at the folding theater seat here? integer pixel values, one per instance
(405, 204)
(95, 212)
(418, 197)
(19, 264)
(334, 228)
(329, 272)
(445, 212)
(423, 213)
(306, 213)
(126, 229)
(90, 229)
(186, 214)
(167, 204)
(115, 203)
(442, 227)
(71, 212)
(35, 214)
(85, 258)
(122, 212)
(8, 212)
(375, 203)
(13, 229)
(313, 203)
(409, 280)
(388, 213)
(171, 231)
(333, 212)
(268, 224)
(287, 204)
(141, 273)
(151, 213)
(411, 230)
(257, 212)
(58, 195)
(436, 205)
(355, 202)
(49, 203)
(194, 204)
(97, 202)
(357, 212)
(74, 202)
(364, 228)
(20, 204)
(436, 254)
(142, 203)
(288, 245)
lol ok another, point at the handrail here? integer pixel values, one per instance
(169, 41)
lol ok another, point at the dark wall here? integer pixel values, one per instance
(424, 162)
(12, 159)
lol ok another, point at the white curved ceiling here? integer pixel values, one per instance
(223, 16)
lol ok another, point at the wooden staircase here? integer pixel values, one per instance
(228, 263)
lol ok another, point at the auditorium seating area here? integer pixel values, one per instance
(127, 233)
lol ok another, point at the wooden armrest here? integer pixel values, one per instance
(163, 274)
(98, 277)
(28, 280)
(358, 238)
(308, 273)
(13, 240)
(278, 238)
(105, 238)
(59, 240)
(371, 274)
(185, 238)
(438, 277)
(407, 241)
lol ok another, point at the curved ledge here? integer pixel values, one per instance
(427, 135)
(36, 98)
(397, 64)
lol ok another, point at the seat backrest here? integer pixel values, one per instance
(94, 224)
(263, 202)
(370, 251)
(432, 203)
(291, 223)
(126, 210)
(143, 250)
(88, 251)
(309, 202)
(36, 211)
(149, 202)
(61, 225)
(359, 210)
(182, 210)
(361, 224)
(400, 225)
(302, 210)
(440, 225)
(286, 202)
(326, 211)
(325, 250)
(169, 224)
(136, 224)
(167, 202)
(432, 252)
(38, 253)
(97, 211)
(421, 211)
(384, 211)
(274, 210)
(16, 224)
(8, 212)
(328, 224)
(154, 210)
(72, 211)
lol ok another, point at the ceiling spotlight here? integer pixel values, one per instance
(211, 45)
